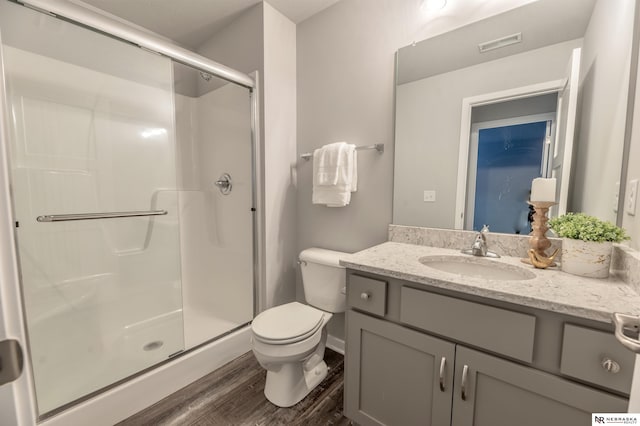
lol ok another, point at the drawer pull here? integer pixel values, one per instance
(443, 364)
(365, 296)
(610, 365)
(463, 387)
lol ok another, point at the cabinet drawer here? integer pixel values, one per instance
(498, 330)
(367, 294)
(584, 352)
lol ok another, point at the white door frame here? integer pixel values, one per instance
(553, 86)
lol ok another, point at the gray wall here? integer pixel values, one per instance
(346, 93)
(632, 222)
(517, 108)
(604, 83)
(264, 40)
(279, 156)
(428, 127)
(240, 44)
(346, 80)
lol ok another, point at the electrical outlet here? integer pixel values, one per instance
(429, 196)
(616, 197)
(632, 196)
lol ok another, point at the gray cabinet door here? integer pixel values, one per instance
(503, 393)
(392, 374)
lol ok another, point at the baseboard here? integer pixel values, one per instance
(335, 344)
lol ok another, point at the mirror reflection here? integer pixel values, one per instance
(538, 91)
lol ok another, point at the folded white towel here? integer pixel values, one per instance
(326, 163)
(335, 174)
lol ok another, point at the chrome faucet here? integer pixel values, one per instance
(479, 246)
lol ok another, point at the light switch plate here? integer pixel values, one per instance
(616, 197)
(632, 197)
(429, 196)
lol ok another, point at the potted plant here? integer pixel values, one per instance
(587, 243)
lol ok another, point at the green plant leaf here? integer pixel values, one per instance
(579, 226)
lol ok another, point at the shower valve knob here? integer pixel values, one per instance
(224, 183)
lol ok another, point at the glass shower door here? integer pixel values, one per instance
(91, 136)
(213, 128)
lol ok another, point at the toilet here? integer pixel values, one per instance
(289, 340)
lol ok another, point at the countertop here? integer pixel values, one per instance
(551, 289)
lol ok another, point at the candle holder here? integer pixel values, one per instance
(538, 240)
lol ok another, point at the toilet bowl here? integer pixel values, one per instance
(289, 340)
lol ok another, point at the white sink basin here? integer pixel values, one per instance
(477, 267)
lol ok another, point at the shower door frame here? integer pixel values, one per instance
(17, 398)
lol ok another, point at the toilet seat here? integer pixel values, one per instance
(287, 323)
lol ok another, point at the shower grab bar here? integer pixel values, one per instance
(108, 215)
(378, 147)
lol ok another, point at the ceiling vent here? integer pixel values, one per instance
(500, 42)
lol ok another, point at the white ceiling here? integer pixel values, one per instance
(299, 10)
(541, 23)
(191, 22)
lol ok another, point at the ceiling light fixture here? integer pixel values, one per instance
(431, 5)
(500, 42)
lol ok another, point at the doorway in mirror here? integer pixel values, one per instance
(506, 156)
(554, 103)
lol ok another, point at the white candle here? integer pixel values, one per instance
(543, 189)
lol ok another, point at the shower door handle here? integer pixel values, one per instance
(90, 216)
(11, 361)
(224, 183)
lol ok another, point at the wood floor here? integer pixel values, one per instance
(234, 395)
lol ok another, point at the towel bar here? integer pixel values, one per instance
(378, 147)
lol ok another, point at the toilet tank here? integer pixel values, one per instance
(323, 278)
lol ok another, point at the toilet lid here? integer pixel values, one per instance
(290, 322)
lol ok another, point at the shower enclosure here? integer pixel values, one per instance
(132, 190)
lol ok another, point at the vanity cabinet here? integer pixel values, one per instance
(396, 375)
(433, 359)
(491, 391)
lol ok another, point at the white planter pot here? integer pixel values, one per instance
(586, 258)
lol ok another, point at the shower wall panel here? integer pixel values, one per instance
(214, 137)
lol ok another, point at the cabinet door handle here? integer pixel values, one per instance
(463, 387)
(365, 296)
(610, 365)
(443, 363)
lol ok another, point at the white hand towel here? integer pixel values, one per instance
(326, 163)
(334, 174)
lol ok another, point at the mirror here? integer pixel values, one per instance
(451, 100)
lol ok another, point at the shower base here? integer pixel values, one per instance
(132, 396)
